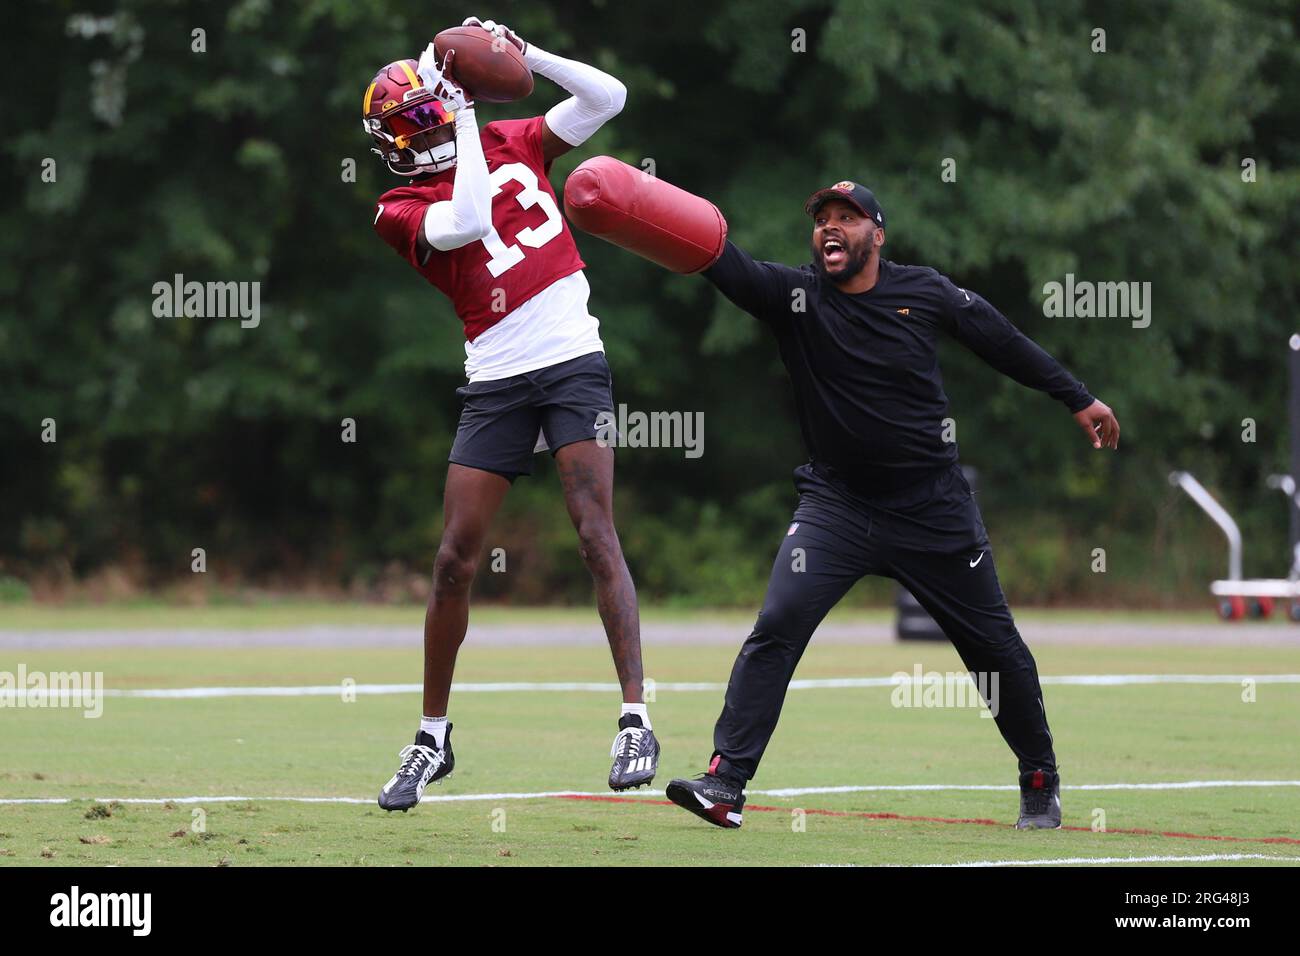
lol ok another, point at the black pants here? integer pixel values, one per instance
(932, 540)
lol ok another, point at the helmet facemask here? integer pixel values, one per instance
(416, 136)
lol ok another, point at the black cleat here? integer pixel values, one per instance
(1040, 801)
(636, 754)
(711, 798)
(423, 763)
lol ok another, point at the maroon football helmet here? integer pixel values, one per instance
(413, 130)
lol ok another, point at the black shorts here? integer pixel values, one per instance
(500, 421)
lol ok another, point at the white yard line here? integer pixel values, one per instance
(1110, 860)
(428, 798)
(1124, 680)
(1178, 785)
(514, 687)
(781, 792)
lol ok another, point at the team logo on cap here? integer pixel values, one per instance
(844, 186)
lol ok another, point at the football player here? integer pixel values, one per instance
(479, 221)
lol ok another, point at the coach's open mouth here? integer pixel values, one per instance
(833, 252)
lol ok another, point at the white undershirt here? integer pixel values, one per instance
(551, 327)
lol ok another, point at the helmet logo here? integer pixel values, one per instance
(388, 105)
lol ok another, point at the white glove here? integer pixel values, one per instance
(439, 79)
(498, 30)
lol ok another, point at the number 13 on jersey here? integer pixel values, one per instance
(534, 237)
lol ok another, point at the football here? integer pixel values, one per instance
(489, 69)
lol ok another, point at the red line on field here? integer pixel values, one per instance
(952, 820)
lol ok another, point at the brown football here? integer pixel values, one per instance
(487, 67)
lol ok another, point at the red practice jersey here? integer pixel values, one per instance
(530, 245)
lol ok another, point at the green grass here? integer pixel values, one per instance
(540, 741)
(152, 614)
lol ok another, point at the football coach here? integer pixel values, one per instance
(882, 492)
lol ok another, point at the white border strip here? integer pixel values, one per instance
(427, 798)
(541, 794)
(513, 687)
(921, 787)
(1110, 860)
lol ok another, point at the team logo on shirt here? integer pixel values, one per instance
(903, 311)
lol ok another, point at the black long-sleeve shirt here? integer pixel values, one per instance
(865, 367)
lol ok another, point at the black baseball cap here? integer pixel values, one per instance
(849, 191)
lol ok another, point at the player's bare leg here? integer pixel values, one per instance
(471, 500)
(469, 505)
(587, 473)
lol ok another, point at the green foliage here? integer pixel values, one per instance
(13, 591)
(226, 165)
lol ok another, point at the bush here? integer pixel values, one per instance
(13, 591)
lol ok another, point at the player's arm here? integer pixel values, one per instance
(974, 322)
(467, 216)
(597, 96)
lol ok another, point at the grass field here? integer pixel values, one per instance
(511, 744)
(252, 612)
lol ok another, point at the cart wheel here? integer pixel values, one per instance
(1294, 611)
(1261, 607)
(1232, 608)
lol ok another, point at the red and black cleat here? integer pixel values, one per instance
(1040, 801)
(711, 798)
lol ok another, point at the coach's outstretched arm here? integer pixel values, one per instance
(760, 288)
(597, 96)
(467, 216)
(976, 324)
